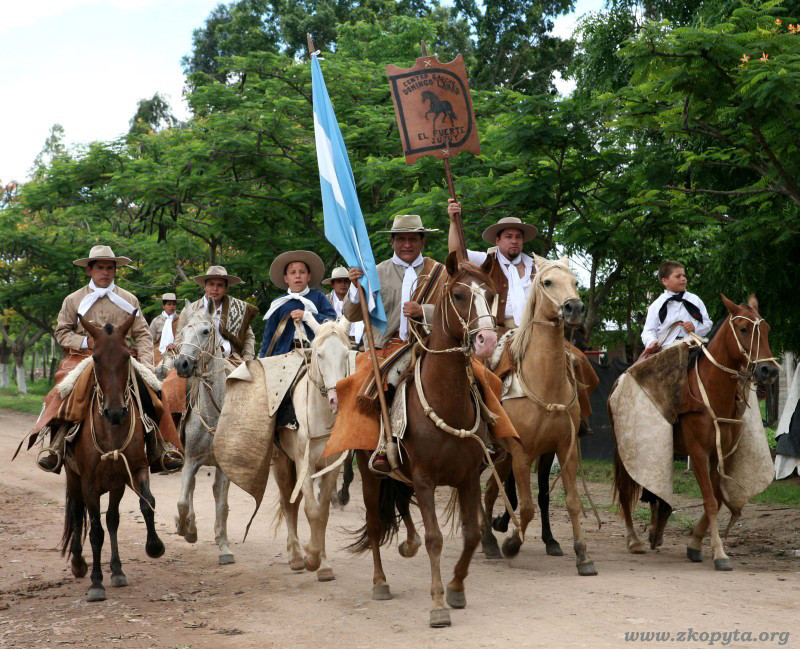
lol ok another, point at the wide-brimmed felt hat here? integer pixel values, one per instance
(217, 272)
(169, 297)
(277, 268)
(528, 231)
(407, 223)
(102, 253)
(340, 272)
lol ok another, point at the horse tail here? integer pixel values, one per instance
(394, 498)
(625, 490)
(452, 513)
(75, 519)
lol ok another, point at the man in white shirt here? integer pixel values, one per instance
(675, 312)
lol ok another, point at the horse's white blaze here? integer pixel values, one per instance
(486, 338)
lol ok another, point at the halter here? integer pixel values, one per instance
(747, 354)
(320, 385)
(201, 372)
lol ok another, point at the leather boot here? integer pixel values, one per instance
(52, 458)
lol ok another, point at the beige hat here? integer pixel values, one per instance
(407, 223)
(528, 231)
(340, 272)
(102, 253)
(169, 297)
(277, 268)
(217, 272)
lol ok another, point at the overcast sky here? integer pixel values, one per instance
(85, 64)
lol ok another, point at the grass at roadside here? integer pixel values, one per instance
(30, 403)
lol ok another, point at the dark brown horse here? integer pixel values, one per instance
(433, 457)
(108, 453)
(737, 352)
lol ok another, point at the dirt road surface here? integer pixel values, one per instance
(185, 600)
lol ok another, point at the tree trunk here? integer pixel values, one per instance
(19, 361)
(33, 365)
(5, 356)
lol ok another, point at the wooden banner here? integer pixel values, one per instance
(433, 108)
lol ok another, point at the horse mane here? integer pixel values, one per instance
(108, 328)
(468, 268)
(694, 352)
(331, 328)
(522, 336)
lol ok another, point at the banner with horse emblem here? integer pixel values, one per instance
(433, 108)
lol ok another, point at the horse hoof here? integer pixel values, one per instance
(326, 574)
(407, 549)
(637, 548)
(587, 569)
(490, 548)
(79, 568)
(154, 549)
(500, 524)
(118, 581)
(694, 555)
(96, 595)
(226, 559)
(381, 592)
(723, 565)
(456, 598)
(191, 537)
(511, 546)
(440, 617)
(344, 498)
(297, 564)
(553, 549)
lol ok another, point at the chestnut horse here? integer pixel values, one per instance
(548, 415)
(738, 352)
(108, 454)
(433, 457)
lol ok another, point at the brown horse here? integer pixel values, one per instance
(108, 453)
(738, 352)
(432, 456)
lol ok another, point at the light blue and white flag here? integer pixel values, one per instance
(344, 222)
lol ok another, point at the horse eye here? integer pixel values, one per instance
(206, 331)
(548, 282)
(743, 329)
(459, 297)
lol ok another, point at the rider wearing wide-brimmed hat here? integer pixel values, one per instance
(231, 316)
(101, 302)
(295, 271)
(164, 327)
(339, 281)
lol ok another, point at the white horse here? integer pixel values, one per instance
(200, 362)
(299, 452)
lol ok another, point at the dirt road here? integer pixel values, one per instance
(185, 600)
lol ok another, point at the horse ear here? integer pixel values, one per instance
(210, 307)
(539, 261)
(732, 308)
(344, 325)
(90, 328)
(186, 304)
(752, 302)
(313, 324)
(487, 264)
(122, 330)
(564, 260)
(451, 263)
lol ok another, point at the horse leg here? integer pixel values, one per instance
(371, 490)
(469, 502)
(96, 593)
(73, 524)
(147, 504)
(112, 523)
(440, 614)
(327, 487)
(347, 478)
(284, 472)
(700, 466)
(220, 489)
(500, 523)
(569, 476)
(312, 510)
(488, 541)
(521, 466)
(552, 547)
(626, 490)
(411, 545)
(185, 521)
(660, 516)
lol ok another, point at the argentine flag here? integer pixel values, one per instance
(344, 223)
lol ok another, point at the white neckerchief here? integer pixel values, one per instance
(167, 337)
(515, 299)
(356, 328)
(409, 280)
(96, 293)
(277, 303)
(217, 316)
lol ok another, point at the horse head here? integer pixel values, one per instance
(111, 356)
(557, 285)
(750, 339)
(197, 342)
(330, 351)
(469, 292)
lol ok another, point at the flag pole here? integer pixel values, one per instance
(391, 446)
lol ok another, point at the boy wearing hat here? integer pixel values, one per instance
(294, 271)
(231, 315)
(164, 327)
(339, 281)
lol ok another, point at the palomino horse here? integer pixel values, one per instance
(200, 362)
(108, 454)
(299, 451)
(738, 352)
(548, 415)
(435, 455)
